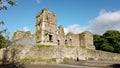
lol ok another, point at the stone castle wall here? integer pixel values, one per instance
(62, 46)
(56, 52)
(48, 32)
(20, 34)
(71, 52)
(102, 55)
(89, 54)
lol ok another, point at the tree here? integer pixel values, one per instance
(4, 34)
(2, 41)
(113, 38)
(97, 43)
(4, 2)
(4, 7)
(109, 41)
(106, 47)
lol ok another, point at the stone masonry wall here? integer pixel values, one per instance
(101, 55)
(57, 52)
(72, 52)
(19, 34)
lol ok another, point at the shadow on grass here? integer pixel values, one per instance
(115, 65)
(13, 65)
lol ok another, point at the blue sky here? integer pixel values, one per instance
(76, 16)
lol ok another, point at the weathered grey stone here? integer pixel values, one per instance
(26, 40)
(48, 33)
(86, 40)
(19, 34)
(46, 27)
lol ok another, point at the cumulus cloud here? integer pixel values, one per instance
(38, 1)
(26, 28)
(100, 24)
(75, 28)
(105, 21)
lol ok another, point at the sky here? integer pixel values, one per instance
(75, 16)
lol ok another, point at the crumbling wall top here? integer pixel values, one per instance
(19, 34)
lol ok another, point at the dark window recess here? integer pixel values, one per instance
(50, 37)
(58, 42)
(65, 41)
(70, 41)
(77, 59)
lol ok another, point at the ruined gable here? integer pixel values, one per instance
(26, 40)
(86, 40)
(72, 39)
(60, 36)
(19, 34)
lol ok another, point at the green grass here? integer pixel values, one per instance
(43, 46)
(28, 60)
(47, 48)
(67, 46)
(67, 59)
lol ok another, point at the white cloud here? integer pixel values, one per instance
(105, 21)
(26, 28)
(38, 1)
(100, 24)
(75, 28)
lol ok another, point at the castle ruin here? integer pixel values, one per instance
(48, 33)
(63, 45)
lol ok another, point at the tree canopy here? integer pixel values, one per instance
(4, 37)
(109, 41)
(4, 2)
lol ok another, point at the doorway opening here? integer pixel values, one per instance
(58, 42)
(50, 38)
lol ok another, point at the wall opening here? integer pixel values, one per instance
(58, 42)
(66, 42)
(70, 41)
(50, 37)
(77, 59)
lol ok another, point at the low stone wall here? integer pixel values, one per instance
(68, 52)
(44, 52)
(1, 54)
(102, 55)
(58, 53)
(88, 54)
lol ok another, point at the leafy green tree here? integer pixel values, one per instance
(2, 40)
(4, 35)
(4, 7)
(113, 38)
(4, 2)
(106, 47)
(97, 41)
(109, 41)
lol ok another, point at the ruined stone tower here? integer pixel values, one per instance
(86, 40)
(46, 27)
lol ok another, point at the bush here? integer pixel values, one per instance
(2, 41)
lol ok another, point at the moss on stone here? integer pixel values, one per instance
(29, 60)
(45, 47)
(67, 46)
